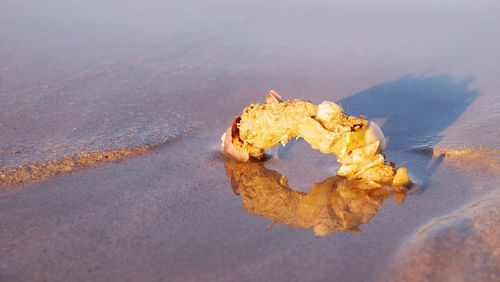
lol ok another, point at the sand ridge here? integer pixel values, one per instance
(45, 170)
(444, 248)
(476, 161)
(39, 171)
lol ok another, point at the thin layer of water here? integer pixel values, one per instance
(83, 77)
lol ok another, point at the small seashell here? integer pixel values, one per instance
(228, 138)
(222, 139)
(327, 110)
(374, 134)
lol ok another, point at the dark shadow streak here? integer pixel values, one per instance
(415, 111)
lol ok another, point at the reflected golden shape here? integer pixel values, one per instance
(336, 204)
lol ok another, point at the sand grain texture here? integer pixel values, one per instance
(461, 246)
(43, 171)
(94, 82)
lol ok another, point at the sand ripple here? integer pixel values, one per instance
(462, 246)
(45, 170)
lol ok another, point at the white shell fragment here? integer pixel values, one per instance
(222, 139)
(374, 134)
(327, 110)
(273, 97)
(228, 148)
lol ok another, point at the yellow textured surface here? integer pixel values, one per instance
(325, 127)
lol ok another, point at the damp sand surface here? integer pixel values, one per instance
(110, 123)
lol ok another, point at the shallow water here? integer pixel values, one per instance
(99, 76)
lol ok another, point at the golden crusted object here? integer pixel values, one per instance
(357, 143)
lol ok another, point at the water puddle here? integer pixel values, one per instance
(335, 204)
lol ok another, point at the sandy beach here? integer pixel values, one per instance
(111, 115)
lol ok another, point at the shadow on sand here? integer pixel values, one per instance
(413, 111)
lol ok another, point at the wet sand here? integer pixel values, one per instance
(39, 171)
(82, 82)
(432, 253)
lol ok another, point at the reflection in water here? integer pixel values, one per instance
(335, 204)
